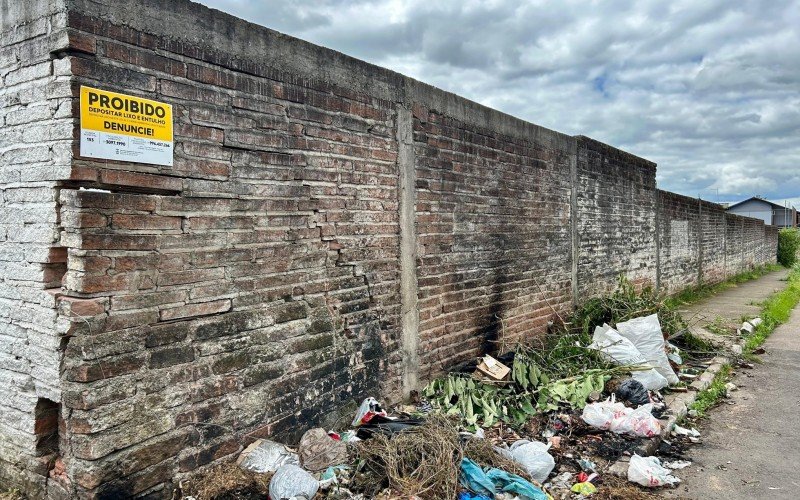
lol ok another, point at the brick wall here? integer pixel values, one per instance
(253, 292)
(770, 244)
(493, 237)
(753, 237)
(329, 230)
(35, 136)
(734, 235)
(700, 243)
(615, 219)
(713, 245)
(680, 235)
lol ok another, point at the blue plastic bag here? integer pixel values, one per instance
(468, 495)
(512, 483)
(474, 479)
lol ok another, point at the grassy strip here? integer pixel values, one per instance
(695, 293)
(713, 393)
(776, 311)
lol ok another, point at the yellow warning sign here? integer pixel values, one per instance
(124, 127)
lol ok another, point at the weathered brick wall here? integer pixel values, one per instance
(253, 292)
(615, 218)
(329, 230)
(700, 243)
(35, 135)
(679, 240)
(493, 237)
(770, 245)
(734, 243)
(753, 236)
(713, 243)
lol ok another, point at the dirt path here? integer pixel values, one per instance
(735, 302)
(751, 444)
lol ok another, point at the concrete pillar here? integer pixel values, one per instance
(573, 221)
(409, 310)
(657, 206)
(699, 241)
(725, 245)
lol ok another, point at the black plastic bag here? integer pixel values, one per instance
(633, 392)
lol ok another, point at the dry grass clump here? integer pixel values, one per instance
(422, 461)
(227, 482)
(619, 488)
(11, 495)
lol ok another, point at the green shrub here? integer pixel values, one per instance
(788, 245)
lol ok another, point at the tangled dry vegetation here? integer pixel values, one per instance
(423, 461)
(227, 482)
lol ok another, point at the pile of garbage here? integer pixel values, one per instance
(399, 456)
(545, 421)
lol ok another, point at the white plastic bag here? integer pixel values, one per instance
(615, 347)
(645, 333)
(651, 379)
(620, 424)
(291, 481)
(642, 423)
(615, 417)
(674, 354)
(683, 431)
(534, 457)
(601, 415)
(620, 350)
(647, 471)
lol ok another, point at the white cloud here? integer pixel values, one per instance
(708, 90)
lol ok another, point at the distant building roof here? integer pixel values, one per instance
(774, 205)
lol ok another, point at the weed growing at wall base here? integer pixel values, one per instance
(776, 311)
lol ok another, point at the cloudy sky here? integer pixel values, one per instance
(708, 89)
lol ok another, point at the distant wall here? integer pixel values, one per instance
(329, 230)
(701, 243)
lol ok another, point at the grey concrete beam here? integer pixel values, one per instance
(409, 310)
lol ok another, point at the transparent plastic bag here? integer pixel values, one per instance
(266, 456)
(318, 450)
(648, 472)
(534, 456)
